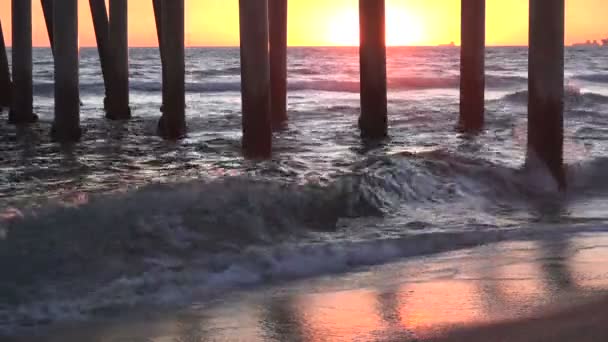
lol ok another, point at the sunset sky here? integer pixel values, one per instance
(334, 22)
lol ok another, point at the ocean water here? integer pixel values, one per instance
(124, 219)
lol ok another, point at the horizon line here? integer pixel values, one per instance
(291, 46)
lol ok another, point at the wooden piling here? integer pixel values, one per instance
(277, 17)
(172, 124)
(118, 93)
(101, 25)
(255, 78)
(66, 126)
(22, 100)
(47, 11)
(472, 65)
(372, 51)
(5, 75)
(546, 86)
(157, 5)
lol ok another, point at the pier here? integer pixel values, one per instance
(22, 99)
(472, 65)
(99, 14)
(118, 93)
(172, 124)
(546, 86)
(277, 17)
(372, 51)
(49, 19)
(5, 73)
(263, 51)
(66, 127)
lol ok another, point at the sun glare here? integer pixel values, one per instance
(401, 28)
(344, 29)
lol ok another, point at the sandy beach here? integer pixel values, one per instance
(549, 290)
(582, 322)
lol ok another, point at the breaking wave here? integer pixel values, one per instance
(163, 243)
(574, 96)
(597, 78)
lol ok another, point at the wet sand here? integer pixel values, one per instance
(582, 323)
(551, 290)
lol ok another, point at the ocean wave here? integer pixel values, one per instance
(120, 249)
(173, 283)
(302, 70)
(495, 81)
(597, 78)
(574, 97)
(346, 86)
(407, 83)
(228, 71)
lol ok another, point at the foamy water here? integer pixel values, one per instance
(124, 218)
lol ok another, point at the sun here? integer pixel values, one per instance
(343, 29)
(402, 29)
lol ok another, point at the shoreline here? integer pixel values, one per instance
(464, 295)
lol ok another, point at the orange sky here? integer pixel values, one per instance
(334, 22)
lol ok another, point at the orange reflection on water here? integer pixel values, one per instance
(340, 316)
(428, 307)
(450, 293)
(589, 264)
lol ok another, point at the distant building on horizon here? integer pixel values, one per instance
(452, 44)
(594, 43)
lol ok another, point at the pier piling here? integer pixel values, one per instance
(374, 119)
(472, 65)
(255, 78)
(22, 100)
(157, 5)
(66, 126)
(172, 124)
(101, 25)
(47, 11)
(5, 74)
(118, 93)
(278, 61)
(546, 86)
